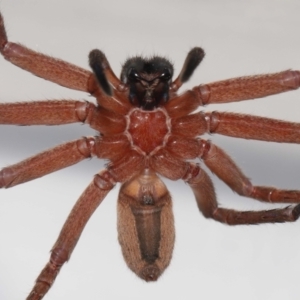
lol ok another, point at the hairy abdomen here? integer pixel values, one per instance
(146, 225)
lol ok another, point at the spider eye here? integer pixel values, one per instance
(133, 75)
(166, 75)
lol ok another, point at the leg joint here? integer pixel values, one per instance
(203, 94)
(84, 111)
(204, 148)
(104, 180)
(213, 120)
(86, 146)
(58, 257)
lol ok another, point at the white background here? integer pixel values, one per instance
(210, 260)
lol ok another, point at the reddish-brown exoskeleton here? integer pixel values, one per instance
(145, 129)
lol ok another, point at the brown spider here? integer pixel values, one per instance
(146, 129)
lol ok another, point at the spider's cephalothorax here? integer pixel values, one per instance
(145, 130)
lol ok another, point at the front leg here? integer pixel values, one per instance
(49, 68)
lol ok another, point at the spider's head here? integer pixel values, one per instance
(148, 81)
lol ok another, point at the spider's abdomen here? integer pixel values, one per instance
(148, 130)
(146, 225)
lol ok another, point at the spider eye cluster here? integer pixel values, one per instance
(148, 81)
(138, 67)
(133, 75)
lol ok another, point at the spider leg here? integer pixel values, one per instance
(50, 112)
(253, 127)
(52, 69)
(71, 231)
(205, 196)
(232, 90)
(248, 87)
(47, 162)
(225, 168)
(57, 112)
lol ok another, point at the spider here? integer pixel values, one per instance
(146, 130)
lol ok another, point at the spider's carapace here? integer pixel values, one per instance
(146, 130)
